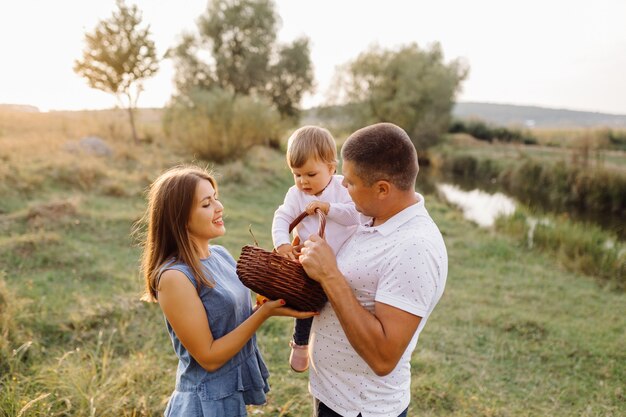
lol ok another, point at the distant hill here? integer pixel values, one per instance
(532, 116)
(497, 114)
(19, 107)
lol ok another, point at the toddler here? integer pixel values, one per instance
(312, 158)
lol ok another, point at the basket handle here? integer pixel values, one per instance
(321, 215)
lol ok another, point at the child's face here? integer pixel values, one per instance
(312, 177)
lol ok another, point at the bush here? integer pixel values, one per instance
(617, 138)
(218, 125)
(483, 131)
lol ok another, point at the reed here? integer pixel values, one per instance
(583, 248)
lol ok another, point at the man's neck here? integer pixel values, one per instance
(398, 203)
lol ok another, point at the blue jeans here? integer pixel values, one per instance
(322, 410)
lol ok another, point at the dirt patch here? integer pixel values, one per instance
(49, 212)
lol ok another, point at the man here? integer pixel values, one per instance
(383, 285)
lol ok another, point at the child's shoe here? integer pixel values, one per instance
(299, 357)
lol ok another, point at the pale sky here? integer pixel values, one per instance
(552, 53)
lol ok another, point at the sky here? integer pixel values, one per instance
(552, 53)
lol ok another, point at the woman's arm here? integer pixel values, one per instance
(186, 314)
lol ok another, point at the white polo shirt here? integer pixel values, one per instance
(402, 263)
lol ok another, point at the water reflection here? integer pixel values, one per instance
(478, 206)
(428, 182)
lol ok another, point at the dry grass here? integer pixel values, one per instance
(76, 340)
(572, 138)
(464, 140)
(28, 137)
(39, 151)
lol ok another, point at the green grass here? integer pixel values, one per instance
(590, 156)
(515, 334)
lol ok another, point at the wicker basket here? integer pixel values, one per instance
(274, 276)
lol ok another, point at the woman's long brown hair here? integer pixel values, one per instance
(170, 200)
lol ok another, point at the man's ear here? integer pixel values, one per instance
(383, 189)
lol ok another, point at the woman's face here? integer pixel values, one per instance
(205, 220)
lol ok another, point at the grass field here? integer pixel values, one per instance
(584, 154)
(515, 334)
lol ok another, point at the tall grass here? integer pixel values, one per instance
(592, 138)
(580, 247)
(514, 334)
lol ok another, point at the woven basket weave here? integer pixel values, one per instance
(274, 276)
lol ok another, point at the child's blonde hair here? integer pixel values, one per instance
(311, 142)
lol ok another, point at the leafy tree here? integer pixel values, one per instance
(411, 87)
(118, 56)
(291, 77)
(241, 35)
(240, 38)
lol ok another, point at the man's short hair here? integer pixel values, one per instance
(382, 151)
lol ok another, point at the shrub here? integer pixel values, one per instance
(218, 125)
(616, 138)
(486, 132)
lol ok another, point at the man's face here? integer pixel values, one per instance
(364, 196)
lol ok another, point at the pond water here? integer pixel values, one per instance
(482, 202)
(478, 206)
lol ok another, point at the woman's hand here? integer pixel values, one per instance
(276, 308)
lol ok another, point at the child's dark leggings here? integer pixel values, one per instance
(302, 331)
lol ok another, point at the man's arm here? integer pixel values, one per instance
(379, 338)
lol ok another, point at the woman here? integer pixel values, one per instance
(207, 310)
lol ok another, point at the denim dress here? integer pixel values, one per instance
(240, 381)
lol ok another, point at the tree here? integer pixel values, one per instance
(410, 87)
(118, 56)
(291, 77)
(240, 36)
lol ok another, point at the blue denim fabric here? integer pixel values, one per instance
(240, 381)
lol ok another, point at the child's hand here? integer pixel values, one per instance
(260, 300)
(286, 251)
(310, 208)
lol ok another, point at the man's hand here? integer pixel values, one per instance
(318, 259)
